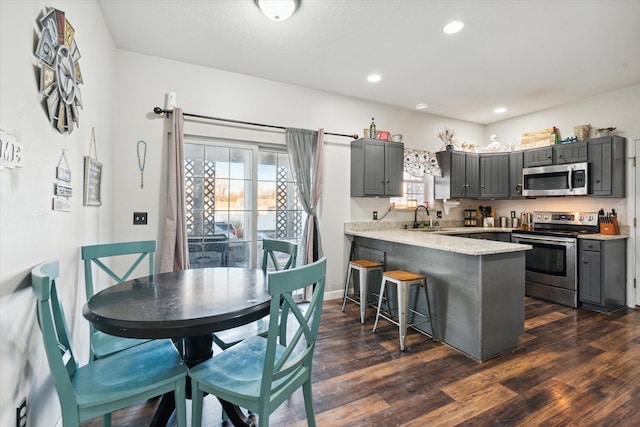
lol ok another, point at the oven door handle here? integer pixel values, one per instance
(569, 178)
(544, 239)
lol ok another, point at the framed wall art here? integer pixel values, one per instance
(92, 181)
(60, 74)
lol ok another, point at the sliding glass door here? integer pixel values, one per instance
(236, 195)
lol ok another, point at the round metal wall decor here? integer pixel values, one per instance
(59, 71)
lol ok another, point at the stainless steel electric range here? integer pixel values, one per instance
(551, 266)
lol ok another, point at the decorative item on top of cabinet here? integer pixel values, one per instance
(582, 132)
(446, 136)
(376, 168)
(535, 139)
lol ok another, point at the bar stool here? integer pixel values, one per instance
(404, 280)
(364, 267)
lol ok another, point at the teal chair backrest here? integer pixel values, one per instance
(61, 357)
(95, 254)
(271, 251)
(301, 329)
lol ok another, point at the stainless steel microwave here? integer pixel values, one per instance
(570, 179)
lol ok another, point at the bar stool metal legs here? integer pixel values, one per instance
(364, 268)
(404, 280)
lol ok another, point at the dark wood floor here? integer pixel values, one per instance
(573, 368)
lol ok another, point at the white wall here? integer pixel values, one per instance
(143, 82)
(119, 93)
(30, 231)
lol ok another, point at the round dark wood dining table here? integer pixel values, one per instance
(187, 306)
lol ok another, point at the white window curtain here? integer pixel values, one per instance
(305, 148)
(175, 252)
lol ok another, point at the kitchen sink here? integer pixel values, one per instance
(426, 229)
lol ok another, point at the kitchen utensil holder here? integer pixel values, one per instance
(609, 225)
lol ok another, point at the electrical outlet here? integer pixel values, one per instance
(21, 413)
(139, 218)
(375, 214)
(439, 214)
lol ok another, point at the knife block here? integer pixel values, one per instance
(609, 225)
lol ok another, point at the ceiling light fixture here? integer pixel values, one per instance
(500, 110)
(421, 106)
(278, 10)
(453, 27)
(374, 78)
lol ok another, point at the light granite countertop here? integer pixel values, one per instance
(442, 238)
(440, 241)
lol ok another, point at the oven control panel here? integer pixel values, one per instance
(566, 218)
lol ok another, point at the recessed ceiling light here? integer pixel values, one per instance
(453, 27)
(500, 110)
(421, 106)
(373, 78)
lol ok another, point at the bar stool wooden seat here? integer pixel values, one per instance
(364, 268)
(404, 280)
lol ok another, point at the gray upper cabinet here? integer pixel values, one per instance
(574, 152)
(460, 175)
(494, 176)
(376, 168)
(538, 157)
(516, 164)
(607, 161)
(499, 175)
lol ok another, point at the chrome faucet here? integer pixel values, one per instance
(415, 214)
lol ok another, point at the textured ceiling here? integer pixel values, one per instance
(525, 55)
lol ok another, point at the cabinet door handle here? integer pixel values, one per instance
(585, 260)
(597, 180)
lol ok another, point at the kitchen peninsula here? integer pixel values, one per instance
(476, 287)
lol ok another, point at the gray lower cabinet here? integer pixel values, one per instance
(376, 168)
(607, 162)
(601, 274)
(494, 176)
(460, 175)
(516, 163)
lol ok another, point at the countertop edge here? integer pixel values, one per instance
(442, 242)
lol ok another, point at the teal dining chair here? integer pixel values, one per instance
(134, 253)
(123, 379)
(260, 373)
(277, 255)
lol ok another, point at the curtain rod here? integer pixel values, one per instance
(159, 110)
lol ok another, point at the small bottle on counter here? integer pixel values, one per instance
(372, 130)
